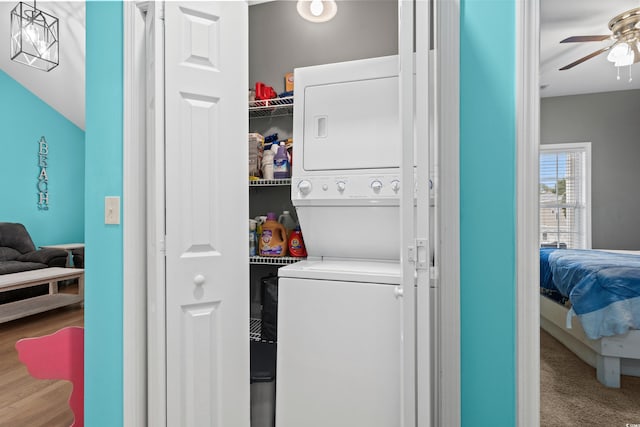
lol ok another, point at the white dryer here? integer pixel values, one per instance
(346, 159)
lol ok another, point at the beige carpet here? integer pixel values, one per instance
(570, 394)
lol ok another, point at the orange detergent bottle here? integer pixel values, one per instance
(273, 241)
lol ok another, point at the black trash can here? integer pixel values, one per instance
(263, 383)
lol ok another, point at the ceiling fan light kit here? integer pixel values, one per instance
(34, 37)
(625, 49)
(621, 54)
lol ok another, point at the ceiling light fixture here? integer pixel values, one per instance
(34, 37)
(317, 10)
(624, 54)
(621, 55)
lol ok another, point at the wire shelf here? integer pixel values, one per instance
(271, 107)
(255, 329)
(269, 182)
(281, 260)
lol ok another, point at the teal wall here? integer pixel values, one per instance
(24, 118)
(487, 212)
(103, 303)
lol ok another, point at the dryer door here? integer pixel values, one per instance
(352, 125)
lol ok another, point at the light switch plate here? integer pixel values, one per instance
(112, 210)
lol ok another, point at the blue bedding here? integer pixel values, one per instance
(603, 287)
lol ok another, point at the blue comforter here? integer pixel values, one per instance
(603, 287)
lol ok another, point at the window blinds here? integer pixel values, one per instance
(562, 195)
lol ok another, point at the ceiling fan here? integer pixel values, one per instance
(625, 34)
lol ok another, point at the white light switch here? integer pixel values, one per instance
(112, 210)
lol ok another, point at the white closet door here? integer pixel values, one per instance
(207, 274)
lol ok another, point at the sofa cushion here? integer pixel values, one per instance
(50, 256)
(8, 254)
(14, 235)
(7, 267)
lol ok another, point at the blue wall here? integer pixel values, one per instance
(487, 212)
(24, 118)
(103, 314)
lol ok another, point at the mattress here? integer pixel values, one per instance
(602, 286)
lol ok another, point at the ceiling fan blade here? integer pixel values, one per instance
(579, 39)
(581, 60)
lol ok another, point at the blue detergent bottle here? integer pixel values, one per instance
(281, 168)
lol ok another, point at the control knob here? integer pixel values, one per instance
(304, 187)
(376, 186)
(341, 186)
(395, 185)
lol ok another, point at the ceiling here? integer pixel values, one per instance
(64, 87)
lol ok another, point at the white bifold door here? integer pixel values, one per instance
(207, 292)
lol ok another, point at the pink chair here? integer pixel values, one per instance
(59, 356)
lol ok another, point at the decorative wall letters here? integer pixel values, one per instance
(43, 178)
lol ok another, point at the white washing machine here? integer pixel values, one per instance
(338, 344)
(339, 323)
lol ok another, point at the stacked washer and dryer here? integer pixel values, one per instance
(339, 312)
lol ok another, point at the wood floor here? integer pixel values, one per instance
(24, 400)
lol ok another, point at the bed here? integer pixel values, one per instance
(590, 301)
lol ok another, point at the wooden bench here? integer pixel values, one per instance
(33, 305)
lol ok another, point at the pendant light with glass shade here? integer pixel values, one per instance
(34, 37)
(317, 10)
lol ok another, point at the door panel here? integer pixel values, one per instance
(339, 361)
(200, 143)
(206, 210)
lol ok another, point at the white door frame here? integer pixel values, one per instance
(527, 171)
(134, 220)
(447, 242)
(446, 379)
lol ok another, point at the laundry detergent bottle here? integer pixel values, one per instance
(273, 241)
(252, 237)
(296, 244)
(281, 163)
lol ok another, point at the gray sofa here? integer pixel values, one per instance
(18, 253)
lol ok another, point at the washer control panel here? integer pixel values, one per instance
(379, 186)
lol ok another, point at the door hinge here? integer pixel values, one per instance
(162, 247)
(419, 254)
(422, 249)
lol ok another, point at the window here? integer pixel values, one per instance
(565, 195)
